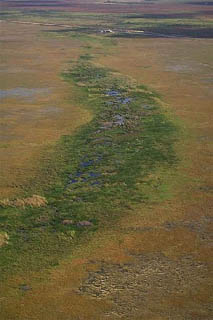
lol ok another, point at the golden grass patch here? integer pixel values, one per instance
(3, 239)
(35, 201)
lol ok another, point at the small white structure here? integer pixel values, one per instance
(135, 31)
(107, 31)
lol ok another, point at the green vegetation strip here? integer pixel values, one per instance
(103, 169)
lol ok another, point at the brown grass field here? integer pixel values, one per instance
(35, 122)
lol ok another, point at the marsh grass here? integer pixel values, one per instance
(86, 26)
(193, 26)
(98, 173)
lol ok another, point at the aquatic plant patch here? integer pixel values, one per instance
(101, 169)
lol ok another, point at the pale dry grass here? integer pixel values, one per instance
(3, 239)
(35, 201)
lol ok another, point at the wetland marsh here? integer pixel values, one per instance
(106, 187)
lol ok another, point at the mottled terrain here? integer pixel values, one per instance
(146, 257)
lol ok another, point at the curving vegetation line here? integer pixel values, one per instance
(102, 172)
